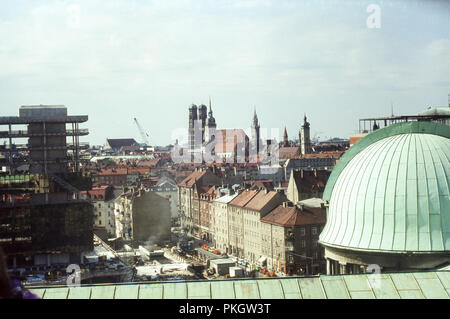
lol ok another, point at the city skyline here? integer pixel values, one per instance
(120, 60)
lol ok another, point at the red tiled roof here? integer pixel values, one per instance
(260, 200)
(334, 154)
(289, 152)
(98, 193)
(243, 198)
(124, 171)
(294, 216)
(268, 184)
(192, 178)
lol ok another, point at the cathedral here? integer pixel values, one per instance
(230, 145)
(207, 144)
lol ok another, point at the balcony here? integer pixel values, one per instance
(25, 133)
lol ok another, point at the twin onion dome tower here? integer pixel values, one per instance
(388, 201)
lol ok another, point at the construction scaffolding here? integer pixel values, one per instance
(41, 208)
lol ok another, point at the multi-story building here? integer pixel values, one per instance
(305, 184)
(142, 216)
(289, 237)
(120, 176)
(221, 221)
(167, 187)
(246, 209)
(310, 162)
(205, 211)
(102, 198)
(43, 216)
(200, 177)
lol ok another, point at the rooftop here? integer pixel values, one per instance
(422, 285)
(294, 216)
(390, 191)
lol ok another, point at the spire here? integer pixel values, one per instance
(255, 118)
(210, 109)
(285, 138)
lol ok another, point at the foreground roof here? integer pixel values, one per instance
(420, 285)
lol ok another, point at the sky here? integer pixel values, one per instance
(335, 61)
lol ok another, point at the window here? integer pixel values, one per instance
(314, 230)
(302, 231)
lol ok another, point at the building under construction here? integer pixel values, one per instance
(440, 114)
(44, 219)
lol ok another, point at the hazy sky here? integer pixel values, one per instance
(115, 60)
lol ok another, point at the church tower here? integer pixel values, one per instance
(192, 119)
(305, 142)
(210, 129)
(255, 133)
(202, 111)
(285, 138)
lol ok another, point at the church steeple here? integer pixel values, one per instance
(255, 119)
(255, 133)
(210, 109)
(210, 130)
(285, 138)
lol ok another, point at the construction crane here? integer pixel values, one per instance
(144, 135)
(315, 137)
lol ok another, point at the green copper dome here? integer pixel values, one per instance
(390, 192)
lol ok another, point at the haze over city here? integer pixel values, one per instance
(117, 60)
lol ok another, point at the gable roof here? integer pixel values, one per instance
(261, 200)
(243, 198)
(192, 178)
(289, 152)
(291, 216)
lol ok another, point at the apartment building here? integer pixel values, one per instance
(102, 198)
(221, 222)
(289, 237)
